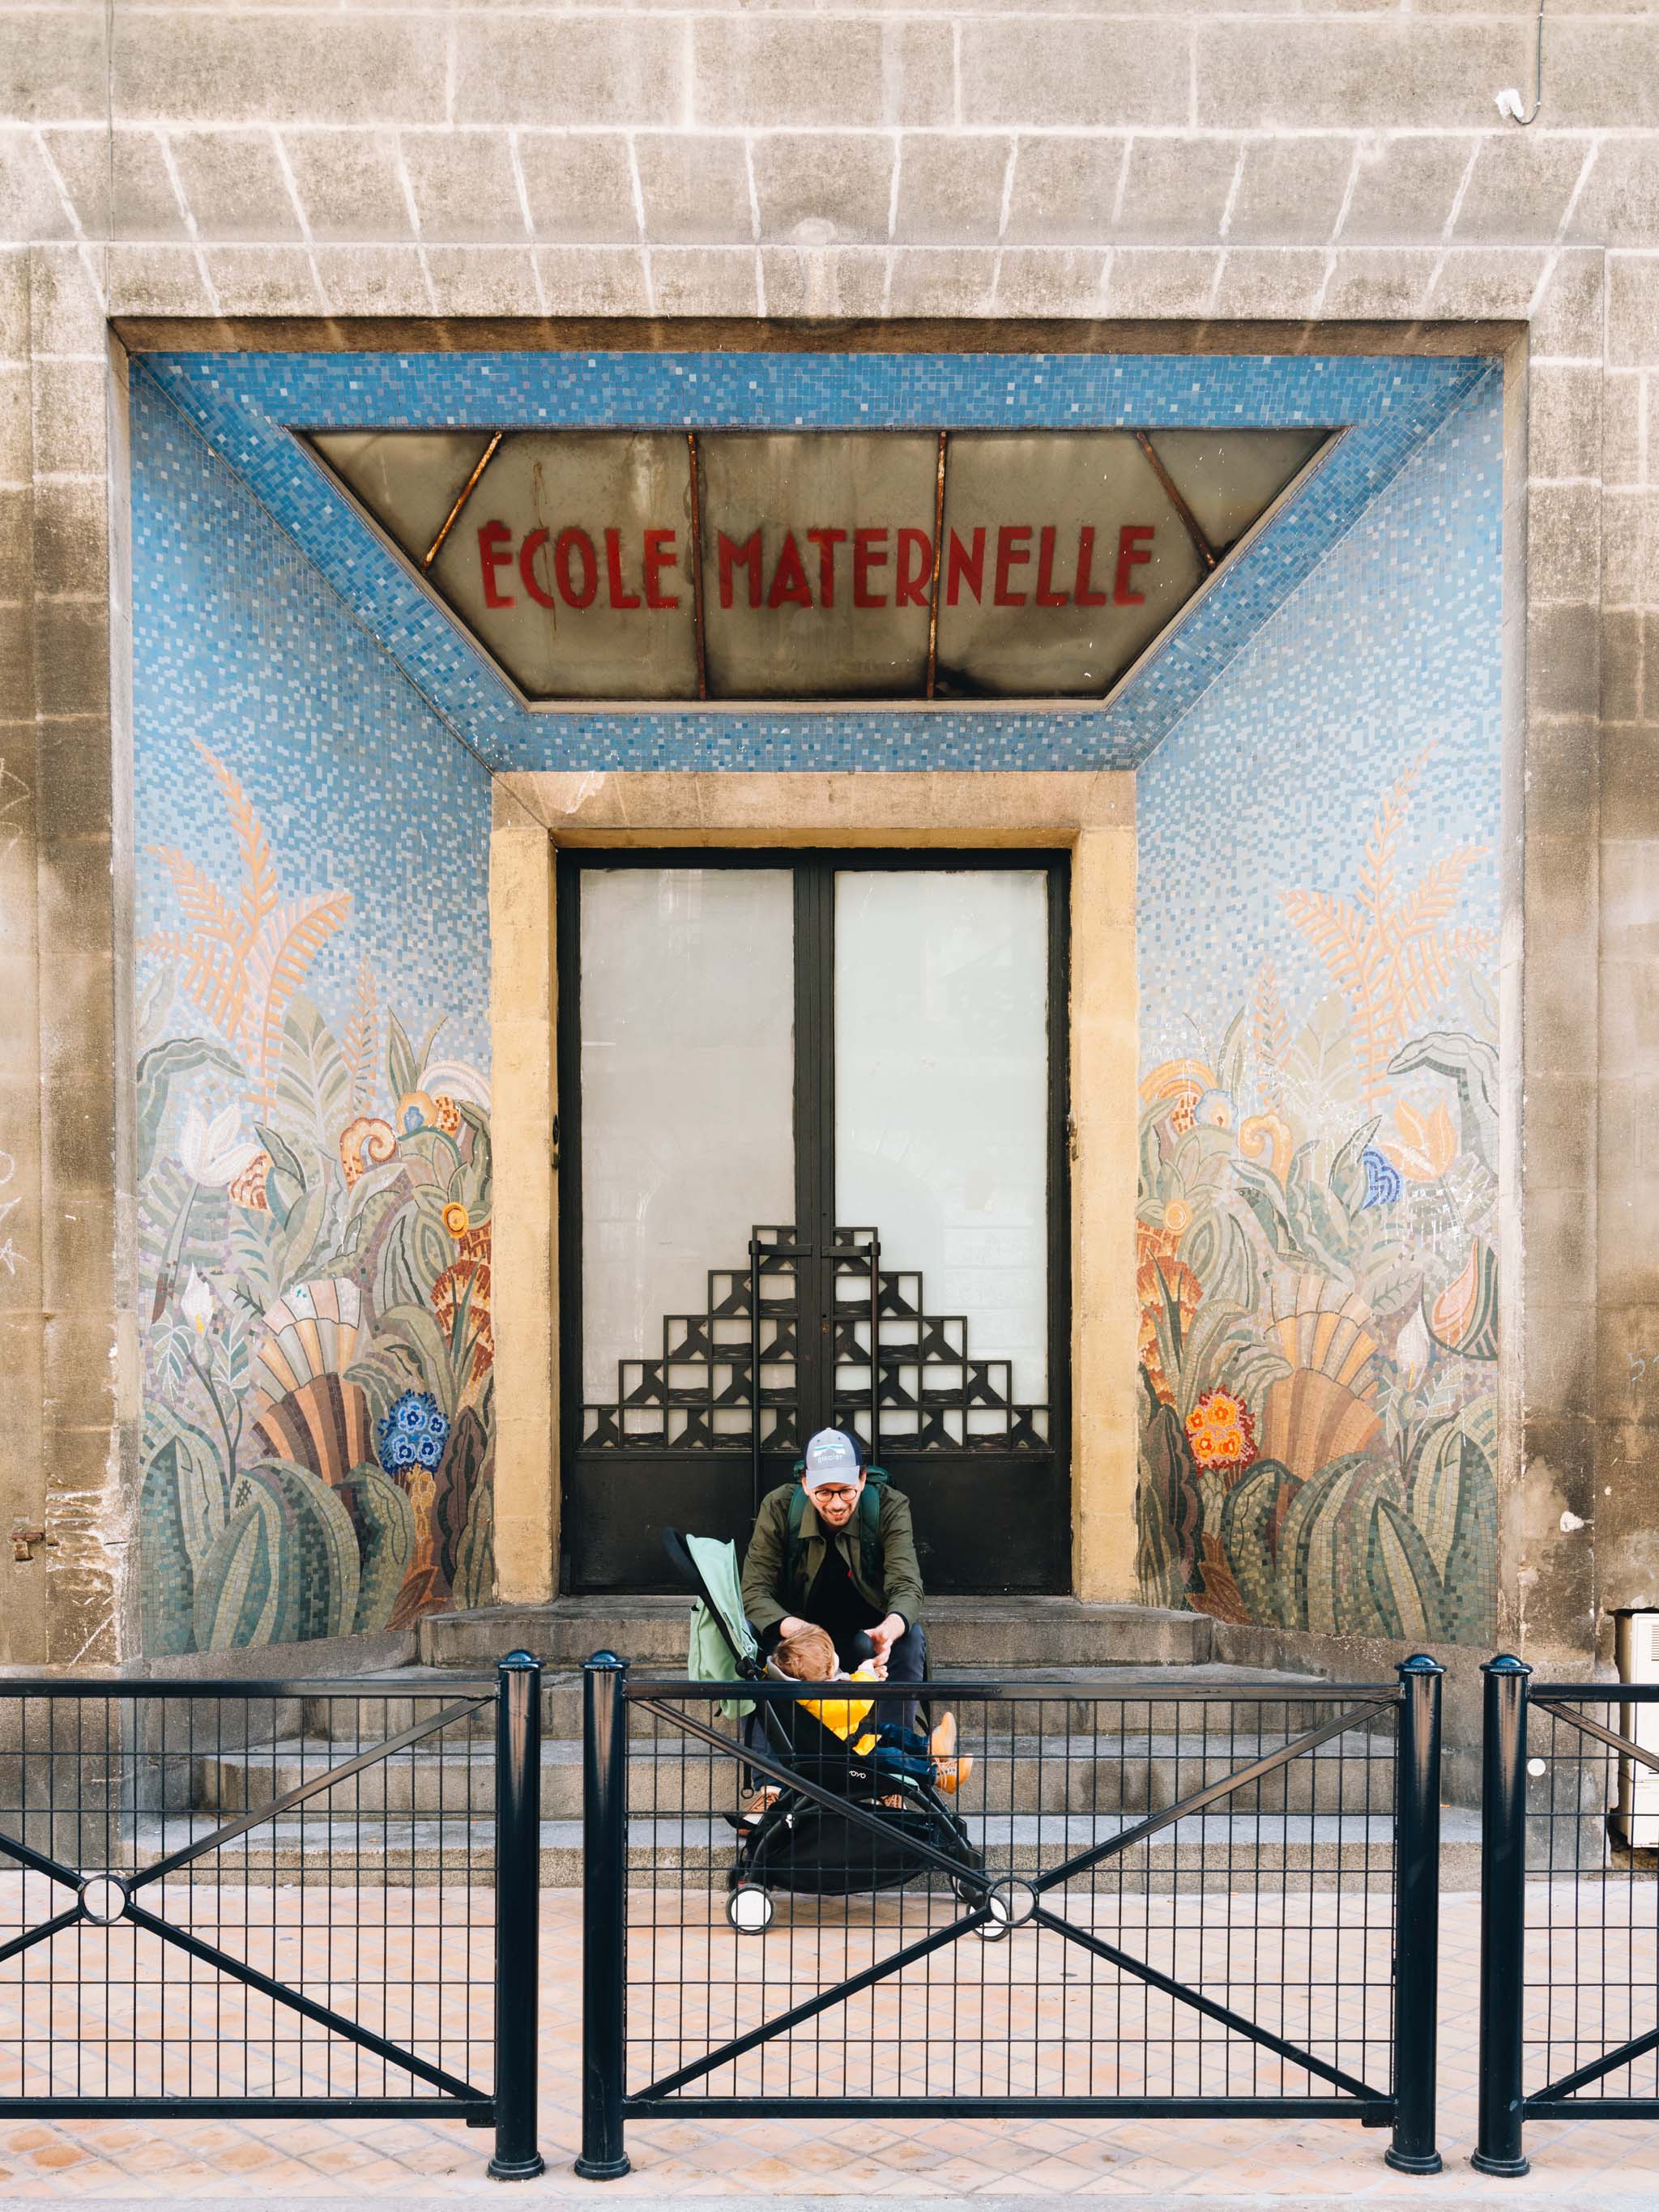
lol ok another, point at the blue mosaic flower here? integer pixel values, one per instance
(1382, 1178)
(413, 1434)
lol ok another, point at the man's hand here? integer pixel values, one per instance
(791, 1626)
(884, 1635)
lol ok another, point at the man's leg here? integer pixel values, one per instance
(906, 1663)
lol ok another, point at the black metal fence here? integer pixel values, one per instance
(1162, 1899)
(1570, 1911)
(313, 1898)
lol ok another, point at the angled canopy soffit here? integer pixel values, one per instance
(611, 567)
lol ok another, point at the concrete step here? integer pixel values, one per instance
(989, 1633)
(1210, 1850)
(1053, 1701)
(1022, 1773)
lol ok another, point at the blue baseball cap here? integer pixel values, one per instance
(831, 1457)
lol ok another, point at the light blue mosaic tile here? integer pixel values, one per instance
(245, 404)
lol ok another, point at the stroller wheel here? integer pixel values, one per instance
(749, 1908)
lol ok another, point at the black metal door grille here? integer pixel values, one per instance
(280, 1897)
(1158, 1902)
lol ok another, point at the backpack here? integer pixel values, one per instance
(869, 1523)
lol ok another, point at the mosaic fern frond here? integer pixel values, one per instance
(204, 905)
(359, 1047)
(1273, 1035)
(288, 941)
(258, 870)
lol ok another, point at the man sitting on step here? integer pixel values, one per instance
(835, 1550)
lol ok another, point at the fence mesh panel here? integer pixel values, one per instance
(1592, 1942)
(1272, 1903)
(223, 1875)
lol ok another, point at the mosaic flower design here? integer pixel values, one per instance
(1382, 1184)
(1221, 1430)
(412, 1434)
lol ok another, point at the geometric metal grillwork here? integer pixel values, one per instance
(932, 1394)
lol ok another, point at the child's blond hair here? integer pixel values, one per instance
(808, 1656)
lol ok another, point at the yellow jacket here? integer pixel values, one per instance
(842, 1715)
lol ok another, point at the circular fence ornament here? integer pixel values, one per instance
(104, 1898)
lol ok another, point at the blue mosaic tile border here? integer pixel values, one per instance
(244, 405)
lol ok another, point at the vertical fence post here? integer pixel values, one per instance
(604, 1902)
(517, 1913)
(1502, 1915)
(1416, 1916)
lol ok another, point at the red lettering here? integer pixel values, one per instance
(1013, 552)
(1046, 594)
(962, 567)
(1130, 551)
(826, 541)
(613, 569)
(579, 543)
(749, 553)
(527, 552)
(789, 584)
(865, 558)
(1085, 560)
(911, 589)
(494, 539)
(659, 555)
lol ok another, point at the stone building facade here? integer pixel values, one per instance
(1436, 719)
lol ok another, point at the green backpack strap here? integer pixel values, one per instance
(794, 1543)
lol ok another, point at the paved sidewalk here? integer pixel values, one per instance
(280, 2163)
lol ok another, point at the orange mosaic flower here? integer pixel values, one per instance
(248, 1188)
(1161, 1281)
(1221, 1430)
(449, 1114)
(470, 1272)
(456, 1220)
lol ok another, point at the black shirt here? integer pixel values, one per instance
(834, 1602)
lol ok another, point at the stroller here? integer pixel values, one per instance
(799, 1843)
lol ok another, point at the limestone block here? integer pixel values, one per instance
(694, 187)
(1077, 74)
(1624, 455)
(1563, 542)
(71, 528)
(1291, 190)
(849, 280)
(69, 433)
(579, 188)
(1630, 523)
(52, 64)
(1033, 282)
(349, 182)
(234, 185)
(71, 666)
(1521, 186)
(1623, 639)
(157, 280)
(718, 280)
(1629, 786)
(769, 71)
(1064, 191)
(65, 307)
(483, 280)
(1604, 74)
(1176, 188)
(372, 279)
(1266, 283)
(1563, 660)
(1303, 72)
(1405, 189)
(1619, 203)
(262, 280)
(16, 427)
(1156, 280)
(1630, 900)
(204, 65)
(936, 281)
(1563, 419)
(463, 185)
(527, 68)
(31, 205)
(841, 186)
(1480, 282)
(950, 190)
(1633, 310)
(1567, 312)
(592, 280)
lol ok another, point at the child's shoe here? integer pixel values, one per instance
(942, 1740)
(950, 1774)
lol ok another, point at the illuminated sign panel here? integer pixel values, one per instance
(623, 565)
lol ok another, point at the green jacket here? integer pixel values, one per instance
(768, 1593)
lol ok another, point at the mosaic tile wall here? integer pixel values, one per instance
(314, 1097)
(241, 403)
(1316, 1227)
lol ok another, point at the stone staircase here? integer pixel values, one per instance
(1051, 1776)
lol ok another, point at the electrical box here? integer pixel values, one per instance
(1636, 1817)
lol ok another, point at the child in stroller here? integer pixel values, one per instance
(809, 1656)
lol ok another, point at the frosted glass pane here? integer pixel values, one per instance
(688, 1089)
(941, 1094)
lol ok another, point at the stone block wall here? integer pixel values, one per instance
(1173, 174)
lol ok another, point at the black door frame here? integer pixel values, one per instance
(597, 1552)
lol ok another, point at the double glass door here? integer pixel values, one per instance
(813, 1172)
